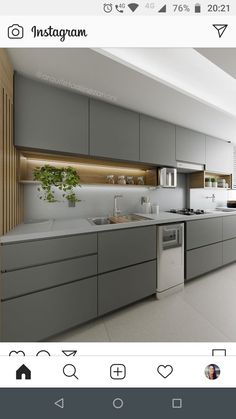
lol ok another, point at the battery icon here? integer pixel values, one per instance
(197, 8)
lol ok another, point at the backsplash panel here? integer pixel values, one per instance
(98, 201)
(200, 198)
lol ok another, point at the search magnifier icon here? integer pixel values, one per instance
(69, 370)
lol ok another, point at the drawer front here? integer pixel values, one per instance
(229, 227)
(202, 260)
(203, 232)
(40, 315)
(39, 252)
(229, 251)
(122, 287)
(120, 248)
(25, 281)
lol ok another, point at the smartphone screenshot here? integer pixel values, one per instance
(117, 209)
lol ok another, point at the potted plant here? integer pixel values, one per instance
(208, 183)
(63, 178)
(214, 182)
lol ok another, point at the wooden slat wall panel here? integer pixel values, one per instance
(11, 192)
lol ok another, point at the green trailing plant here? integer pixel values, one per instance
(63, 178)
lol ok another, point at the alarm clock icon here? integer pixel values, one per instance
(107, 7)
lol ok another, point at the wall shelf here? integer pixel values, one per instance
(91, 171)
(198, 179)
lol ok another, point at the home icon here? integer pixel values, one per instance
(23, 372)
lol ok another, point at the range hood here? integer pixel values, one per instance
(184, 167)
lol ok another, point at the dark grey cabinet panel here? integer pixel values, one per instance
(229, 227)
(114, 131)
(120, 248)
(122, 287)
(229, 251)
(203, 232)
(49, 118)
(24, 281)
(219, 155)
(21, 255)
(202, 260)
(157, 141)
(36, 316)
(190, 146)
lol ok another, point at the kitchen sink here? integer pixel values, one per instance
(117, 220)
(99, 221)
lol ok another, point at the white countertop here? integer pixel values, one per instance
(65, 227)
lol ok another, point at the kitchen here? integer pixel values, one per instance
(107, 256)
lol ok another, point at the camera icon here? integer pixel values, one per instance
(15, 32)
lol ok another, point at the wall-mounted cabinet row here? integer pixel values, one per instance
(48, 118)
(51, 285)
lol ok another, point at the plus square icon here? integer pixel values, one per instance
(118, 371)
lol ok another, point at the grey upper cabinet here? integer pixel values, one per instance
(219, 155)
(114, 132)
(157, 141)
(49, 118)
(190, 146)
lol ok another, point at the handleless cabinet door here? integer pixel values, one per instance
(229, 227)
(114, 131)
(157, 141)
(219, 155)
(190, 146)
(202, 260)
(122, 287)
(49, 118)
(40, 252)
(37, 316)
(120, 248)
(203, 232)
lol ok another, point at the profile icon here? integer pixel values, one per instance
(212, 372)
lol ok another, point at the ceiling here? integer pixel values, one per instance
(193, 88)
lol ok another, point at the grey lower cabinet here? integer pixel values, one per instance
(229, 227)
(203, 232)
(37, 252)
(219, 155)
(114, 131)
(124, 286)
(126, 247)
(49, 118)
(203, 260)
(229, 251)
(36, 316)
(190, 146)
(157, 141)
(28, 280)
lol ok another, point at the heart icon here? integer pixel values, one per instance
(165, 370)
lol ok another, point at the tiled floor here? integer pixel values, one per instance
(204, 311)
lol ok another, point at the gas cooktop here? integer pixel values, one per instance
(187, 211)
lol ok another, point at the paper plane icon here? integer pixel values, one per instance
(60, 403)
(69, 353)
(220, 29)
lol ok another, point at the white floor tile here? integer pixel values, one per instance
(169, 320)
(91, 332)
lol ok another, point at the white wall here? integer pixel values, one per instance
(98, 201)
(198, 198)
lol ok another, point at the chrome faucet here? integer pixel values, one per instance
(212, 197)
(116, 210)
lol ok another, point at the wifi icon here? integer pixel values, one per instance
(133, 6)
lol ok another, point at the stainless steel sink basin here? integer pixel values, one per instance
(99, 221)
(117, 220)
